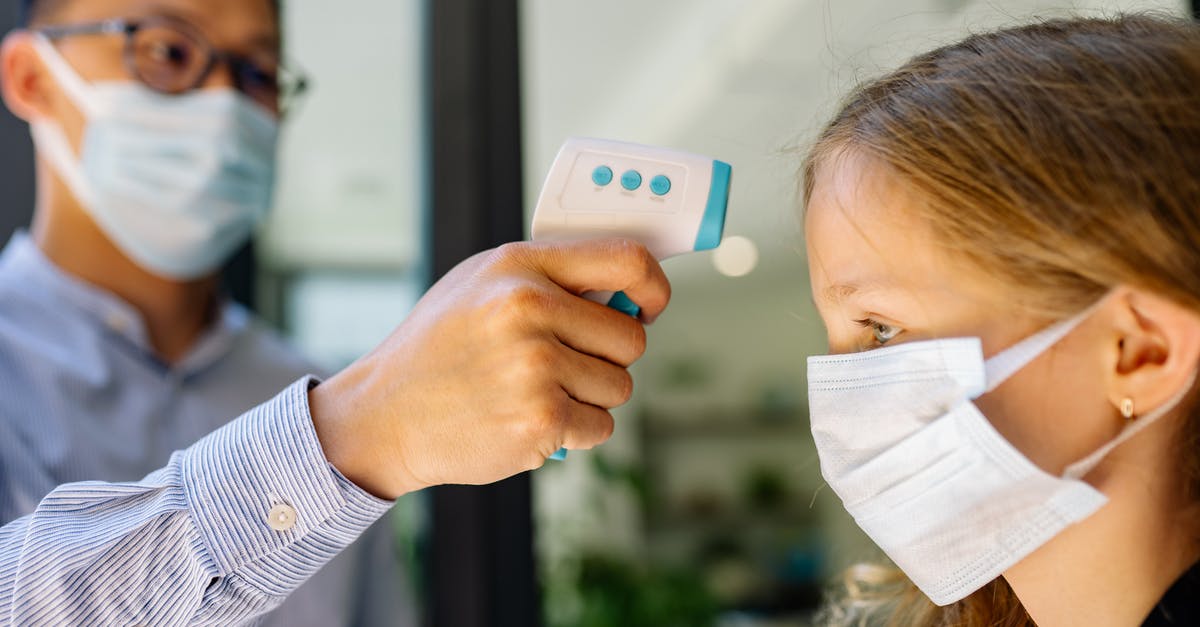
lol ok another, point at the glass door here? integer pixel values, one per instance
(708, 506)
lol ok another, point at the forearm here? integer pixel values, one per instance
(190, 543)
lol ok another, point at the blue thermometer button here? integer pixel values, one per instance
(602, 175)
(631, 180)
(660, 185)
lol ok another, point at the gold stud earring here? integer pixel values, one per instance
(1127, 408)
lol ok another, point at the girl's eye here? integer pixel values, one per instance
(883, 332)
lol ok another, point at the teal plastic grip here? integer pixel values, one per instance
(712, 226)
(621, 303)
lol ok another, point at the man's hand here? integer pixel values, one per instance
(498, 366)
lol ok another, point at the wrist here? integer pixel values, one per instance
(341, 409)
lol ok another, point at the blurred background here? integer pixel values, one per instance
(426, 137)
(708, 506)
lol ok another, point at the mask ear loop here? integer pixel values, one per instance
(48, 135)
(76, 88)
(1087, 464)
(1007, 362)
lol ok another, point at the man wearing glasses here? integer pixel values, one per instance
(155, 124)
(176, 106)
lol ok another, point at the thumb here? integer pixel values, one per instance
(614, 265)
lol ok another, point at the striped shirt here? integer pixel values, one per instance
(106, 526)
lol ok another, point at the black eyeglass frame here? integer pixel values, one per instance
(291, 82)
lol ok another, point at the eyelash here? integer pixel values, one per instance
(880, 331)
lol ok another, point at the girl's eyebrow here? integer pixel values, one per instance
(839, 292)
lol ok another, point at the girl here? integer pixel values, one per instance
(1003, 243)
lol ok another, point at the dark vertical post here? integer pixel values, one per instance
(1196, 9)
(16, 158)
(480, 562)
(240, 276)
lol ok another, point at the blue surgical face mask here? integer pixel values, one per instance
(177, 182)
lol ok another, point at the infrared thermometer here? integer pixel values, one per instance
(672, 202)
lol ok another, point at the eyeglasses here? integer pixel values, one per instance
(171, 56)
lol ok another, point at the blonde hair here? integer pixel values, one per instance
(1062, 157)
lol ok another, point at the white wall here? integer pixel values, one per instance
(351, 157)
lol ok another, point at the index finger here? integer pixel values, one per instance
(611, 265)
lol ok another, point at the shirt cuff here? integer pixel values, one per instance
(269, 506)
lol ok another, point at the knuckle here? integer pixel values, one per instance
(529, 297)
(645, 271)
(650, 269)
(519, 304)
(538, 426)
(517, 300)
(512, 252)
(638, 255)
(629, 342)
(551, 417)
(638, 342)
(535, 361)
(666, 293)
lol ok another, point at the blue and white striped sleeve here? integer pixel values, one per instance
(219, 536)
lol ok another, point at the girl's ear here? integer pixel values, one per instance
(1155, 350)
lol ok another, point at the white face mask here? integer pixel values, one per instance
(178, 183)
(925, 474)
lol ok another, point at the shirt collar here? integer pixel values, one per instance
(38, 277)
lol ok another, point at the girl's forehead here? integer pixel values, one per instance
(865, 233)
(859, 221)
(861, 188)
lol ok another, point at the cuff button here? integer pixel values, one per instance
(281, 517)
